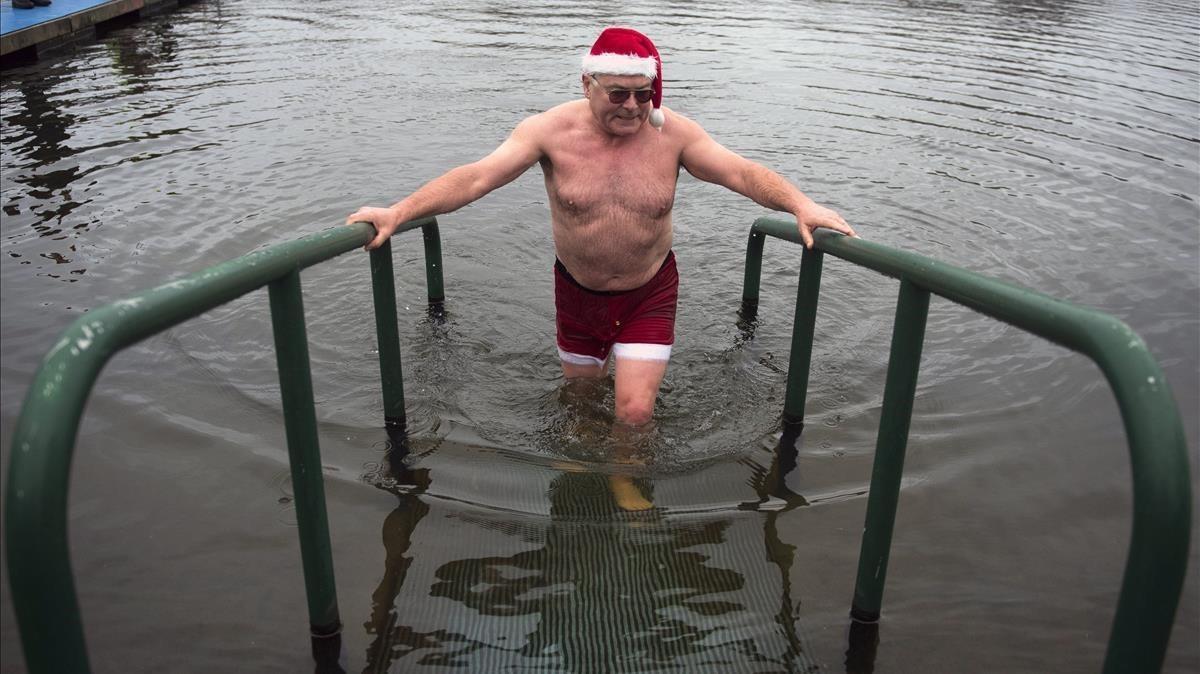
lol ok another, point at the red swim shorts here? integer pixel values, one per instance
(637, 324)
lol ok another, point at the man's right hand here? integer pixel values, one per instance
(385, 221)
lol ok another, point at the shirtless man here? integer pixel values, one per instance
(610, 163)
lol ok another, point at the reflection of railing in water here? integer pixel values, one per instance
(40, 575)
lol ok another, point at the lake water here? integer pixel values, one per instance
(1055, 145)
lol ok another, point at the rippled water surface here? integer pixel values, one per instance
(1051, 144)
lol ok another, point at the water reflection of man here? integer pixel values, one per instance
(610, 177)
(591, 589)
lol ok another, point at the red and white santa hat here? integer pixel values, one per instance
(624, 51)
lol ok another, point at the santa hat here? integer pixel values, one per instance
(624, 51)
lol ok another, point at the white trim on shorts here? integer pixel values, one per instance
(578, 358)
(642, 351)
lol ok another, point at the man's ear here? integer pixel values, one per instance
(585, 80)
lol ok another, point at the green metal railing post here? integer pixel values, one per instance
(748, 312)
(433, 263)
(387, 332)
(752, 276)
(800, 360)
(908, 335)
(39, 564)
(304, 454)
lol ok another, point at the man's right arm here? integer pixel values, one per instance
(460, 186)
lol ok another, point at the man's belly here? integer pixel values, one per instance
(612, 248)
(611, 266)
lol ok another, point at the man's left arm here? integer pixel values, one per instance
(709, 161)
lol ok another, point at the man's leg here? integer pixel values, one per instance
(637, 383)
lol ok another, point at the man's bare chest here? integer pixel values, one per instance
(594, 181)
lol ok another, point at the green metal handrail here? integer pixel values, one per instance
(43, 587)
(1162, 502)
(42, 584)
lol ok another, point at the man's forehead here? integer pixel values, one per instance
(624, 81)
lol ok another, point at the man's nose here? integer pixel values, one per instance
(630, 103)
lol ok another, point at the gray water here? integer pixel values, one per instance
(1051, 144)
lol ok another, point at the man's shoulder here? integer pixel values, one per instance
(679, 125)
(572, 109)
(556, 119)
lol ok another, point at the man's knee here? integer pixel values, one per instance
(635, 410)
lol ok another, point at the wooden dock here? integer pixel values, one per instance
(26, 34)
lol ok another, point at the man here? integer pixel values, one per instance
(611, 162)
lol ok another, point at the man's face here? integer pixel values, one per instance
(620, 119)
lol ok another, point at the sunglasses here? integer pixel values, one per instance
(619, 96)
